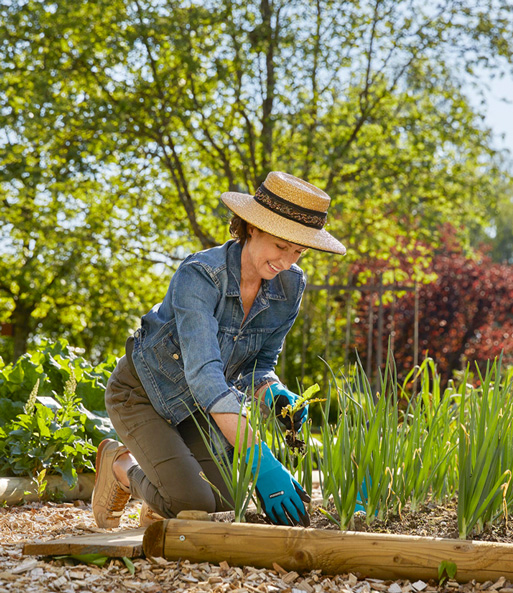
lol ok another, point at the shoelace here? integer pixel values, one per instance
(118, 499)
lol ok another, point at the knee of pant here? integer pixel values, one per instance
(195, 502)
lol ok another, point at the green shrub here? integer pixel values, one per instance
(52, 413)
(43, 441)
(53, 364)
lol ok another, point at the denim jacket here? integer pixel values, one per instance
(193, 349)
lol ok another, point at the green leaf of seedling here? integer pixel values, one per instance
(129, 564)
(97, 559)
(329, 516)
(446, 570)
(310, 392)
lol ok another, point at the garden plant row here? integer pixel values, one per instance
(409, 443)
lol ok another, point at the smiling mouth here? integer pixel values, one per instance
(273, 268)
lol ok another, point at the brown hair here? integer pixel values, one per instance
(239, 229)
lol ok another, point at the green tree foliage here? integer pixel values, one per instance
(123, 121)
(497, 237)
(502, 243)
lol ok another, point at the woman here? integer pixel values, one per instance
(216, 335)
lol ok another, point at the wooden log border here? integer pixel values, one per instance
(382, 556)
(18, 490)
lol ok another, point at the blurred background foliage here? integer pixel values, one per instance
(121, 122)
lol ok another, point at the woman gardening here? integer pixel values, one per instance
(216, 335)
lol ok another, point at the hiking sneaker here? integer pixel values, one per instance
(110, 496)
(148, 516)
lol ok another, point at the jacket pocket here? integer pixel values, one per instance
(169, 358)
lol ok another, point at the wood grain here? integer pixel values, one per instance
(381, 556)
(118, 544)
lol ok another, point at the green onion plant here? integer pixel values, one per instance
(485, 441)
(232, 465)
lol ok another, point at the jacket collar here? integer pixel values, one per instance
(270, 289)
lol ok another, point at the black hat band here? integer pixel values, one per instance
(310, 218)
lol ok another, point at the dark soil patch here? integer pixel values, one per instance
(430, 520)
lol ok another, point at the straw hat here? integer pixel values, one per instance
(289, 208)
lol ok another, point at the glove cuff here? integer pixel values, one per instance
(267, 460)
(270, 393)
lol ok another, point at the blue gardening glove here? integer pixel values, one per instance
(281, 497)
(278, 396)
(359, 502)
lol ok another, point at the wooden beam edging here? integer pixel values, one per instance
(382, 556)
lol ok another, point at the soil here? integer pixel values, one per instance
(430, 520)
(45, 521)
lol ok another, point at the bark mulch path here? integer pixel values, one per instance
(45, 521)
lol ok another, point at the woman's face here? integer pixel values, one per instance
(265, 256)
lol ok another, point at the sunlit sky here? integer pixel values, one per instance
(499, 112)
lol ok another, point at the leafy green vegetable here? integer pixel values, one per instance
(53, 365)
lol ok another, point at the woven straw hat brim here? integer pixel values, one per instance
(251, 211)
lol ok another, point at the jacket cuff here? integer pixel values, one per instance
(256, 380)
(229, 402)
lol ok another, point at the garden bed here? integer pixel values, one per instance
(430, 520)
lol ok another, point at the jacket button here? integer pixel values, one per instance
(176, 356)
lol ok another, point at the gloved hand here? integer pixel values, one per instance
(280, 495)
(278, 396)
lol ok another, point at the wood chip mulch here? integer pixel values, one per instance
(45, 521)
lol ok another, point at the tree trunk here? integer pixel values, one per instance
(270, 39)
(21, 323)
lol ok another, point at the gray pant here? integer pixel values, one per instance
(170, 458)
